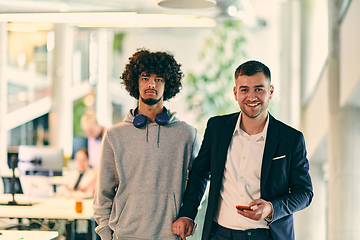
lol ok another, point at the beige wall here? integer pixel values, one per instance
(350, 54)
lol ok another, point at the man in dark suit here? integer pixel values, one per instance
(251, 159)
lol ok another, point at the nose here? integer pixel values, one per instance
(152, 82)
(252, 95)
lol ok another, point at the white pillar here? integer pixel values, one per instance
(290, 61)
(344, 142)
(310, 223)
(103, 98)
(3, 95)
(61, 115)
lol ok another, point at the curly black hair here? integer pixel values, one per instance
(160, 63)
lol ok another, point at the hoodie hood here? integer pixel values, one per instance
(129, 118)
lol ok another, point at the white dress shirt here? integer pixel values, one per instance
(241, 181)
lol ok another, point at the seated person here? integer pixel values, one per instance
(79, 182)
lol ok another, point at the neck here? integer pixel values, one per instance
(101, 131)
(253, 126)
(150, 111)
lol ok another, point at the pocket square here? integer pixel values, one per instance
(276, 158)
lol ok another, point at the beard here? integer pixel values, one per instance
(255, 114)
(150, 101)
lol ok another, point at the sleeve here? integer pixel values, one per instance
(195, 148)
(106, 186)
(199, 175)
(300, 186)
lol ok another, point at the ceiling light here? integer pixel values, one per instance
(109, 19)
(232, 11)
(186, 3)
(29, 27)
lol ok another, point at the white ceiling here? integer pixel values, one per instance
(139, 6)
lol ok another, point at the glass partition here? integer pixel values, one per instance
(29, 78)
(81, 55)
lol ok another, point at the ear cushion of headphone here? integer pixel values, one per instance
(162, 118)
(139, 121)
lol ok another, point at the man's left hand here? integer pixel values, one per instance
(261, 209)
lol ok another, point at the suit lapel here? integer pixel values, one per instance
(272, 141)
(225, 139)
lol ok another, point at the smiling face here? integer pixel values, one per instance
(253, 94)
(151, 88)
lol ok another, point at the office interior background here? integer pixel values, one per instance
(61, 59)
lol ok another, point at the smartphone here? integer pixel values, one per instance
(238, 207)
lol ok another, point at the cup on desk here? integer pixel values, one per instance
(78, 205)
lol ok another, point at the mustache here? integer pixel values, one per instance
(150, 89)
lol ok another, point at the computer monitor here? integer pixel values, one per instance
(40, 160)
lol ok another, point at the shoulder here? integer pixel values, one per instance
(223, 118)
(182, 127)
(119, 129)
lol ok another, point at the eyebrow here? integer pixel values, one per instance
(144, 74)
(257, 86)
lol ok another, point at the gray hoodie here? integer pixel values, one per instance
(142, 178)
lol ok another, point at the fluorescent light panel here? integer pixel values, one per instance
(112, 19)
(186, 3)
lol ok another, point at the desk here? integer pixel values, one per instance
(56, 208)
(27, 235)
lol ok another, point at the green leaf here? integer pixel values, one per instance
(210, 92)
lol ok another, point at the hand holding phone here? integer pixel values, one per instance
(238, 207)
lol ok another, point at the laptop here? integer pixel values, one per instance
(36, 186)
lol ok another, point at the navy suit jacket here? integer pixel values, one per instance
(284, 181)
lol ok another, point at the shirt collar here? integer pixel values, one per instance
(241, 132)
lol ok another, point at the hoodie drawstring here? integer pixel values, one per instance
(158, 138)
(147, 135)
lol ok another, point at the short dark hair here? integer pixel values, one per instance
(85, 150)
(160, 63)
(251, 68)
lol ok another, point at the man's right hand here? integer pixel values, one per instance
(184, 227)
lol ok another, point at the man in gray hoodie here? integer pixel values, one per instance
(145, 159)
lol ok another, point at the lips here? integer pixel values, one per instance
(252, 104)
(151, 91)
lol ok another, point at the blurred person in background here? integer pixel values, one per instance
(79, 181)
(94, 132)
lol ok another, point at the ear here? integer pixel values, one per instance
(271, 91)
(235, 93)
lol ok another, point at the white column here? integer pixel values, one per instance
(3, 95)
(313, 218)
(310, 223)
(61, 115)
(103, 98)
(344, 142)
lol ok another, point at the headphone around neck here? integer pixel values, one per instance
(160, 118)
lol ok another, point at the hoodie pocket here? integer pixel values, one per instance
(147, 216)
